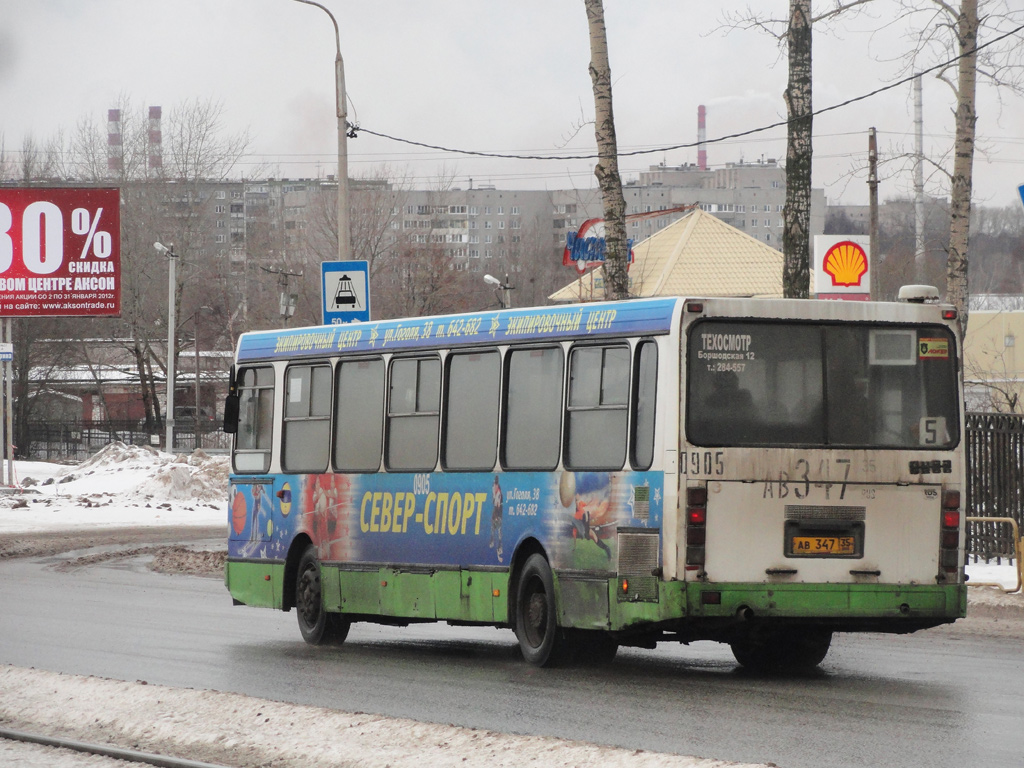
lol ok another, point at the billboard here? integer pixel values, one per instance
(842, 267)
(587, 246)
(60, 252)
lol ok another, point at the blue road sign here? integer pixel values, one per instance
(1021, 190)
(345, 288)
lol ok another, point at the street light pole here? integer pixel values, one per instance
(344, 232)
(172, 286)
(505, 299)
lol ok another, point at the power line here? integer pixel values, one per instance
(690, 145)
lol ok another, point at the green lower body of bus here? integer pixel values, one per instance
(688, 610)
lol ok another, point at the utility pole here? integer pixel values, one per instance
(344, 228)
(918, 181)
(873, 211)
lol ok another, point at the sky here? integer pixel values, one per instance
(507, 78)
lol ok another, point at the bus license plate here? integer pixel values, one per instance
(822, 545)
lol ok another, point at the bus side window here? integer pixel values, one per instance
(359, 416)
(533, 408)
(472, 394)
(254, 438)
(597, 411)
(414, 408)
(645, 391)
(307, 418)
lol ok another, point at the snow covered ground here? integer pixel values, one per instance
(124, 486)
(121, 485)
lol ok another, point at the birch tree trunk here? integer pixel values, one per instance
(616, 262)
(963, 161)
(797, 211)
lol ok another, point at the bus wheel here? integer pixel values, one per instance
(318, 627)
(782, 650)
(541, 640)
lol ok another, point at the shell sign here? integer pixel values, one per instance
(842, 268)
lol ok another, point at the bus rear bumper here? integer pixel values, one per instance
(874, 607)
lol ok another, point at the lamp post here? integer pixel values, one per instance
(505, 298)
(172, 286)
(344, 234)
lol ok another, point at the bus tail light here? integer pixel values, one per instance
(696, 530)
(949, 536)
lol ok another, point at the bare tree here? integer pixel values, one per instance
(946, 38)
(6, 167)
(795, 33)
(607, 168)
(796, 214)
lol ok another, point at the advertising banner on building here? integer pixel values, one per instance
(586, 247)
(842, 267)
(60, 252)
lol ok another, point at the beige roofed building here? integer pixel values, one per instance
(698, 255)
(993, 368)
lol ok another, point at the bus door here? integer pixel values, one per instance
(252, 516)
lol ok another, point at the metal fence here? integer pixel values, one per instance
(995, 481)
(77, 441)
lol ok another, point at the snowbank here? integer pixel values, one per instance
(121, 485)
(238, 730)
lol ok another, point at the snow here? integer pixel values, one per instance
(121, 485)
(222, 727)
(134, 486)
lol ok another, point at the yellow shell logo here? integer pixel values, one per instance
(846, 263)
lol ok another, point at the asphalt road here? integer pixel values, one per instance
(937, 698)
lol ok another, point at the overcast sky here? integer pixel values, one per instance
(505, 77)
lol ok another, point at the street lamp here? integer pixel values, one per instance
(505, 299)
(344, 235)
(168, 251)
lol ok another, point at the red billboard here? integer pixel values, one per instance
(60, 252)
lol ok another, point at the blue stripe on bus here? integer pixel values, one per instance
(645, 316)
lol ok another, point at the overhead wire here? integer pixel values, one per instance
(356, 129)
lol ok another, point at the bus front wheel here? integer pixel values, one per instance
(541, 640)
(318, 627)
(787, 649)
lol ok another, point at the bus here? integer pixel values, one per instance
(761, 473)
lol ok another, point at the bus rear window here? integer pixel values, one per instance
(797, 384)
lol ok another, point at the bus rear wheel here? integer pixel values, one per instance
(318, 627)
(789, 649)
(541, 640)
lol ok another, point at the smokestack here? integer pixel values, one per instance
(156, 156)
(702, 137)
(115, 160)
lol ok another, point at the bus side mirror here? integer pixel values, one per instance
(231, 414)
(231, 404)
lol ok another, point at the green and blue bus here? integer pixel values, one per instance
(757, 472)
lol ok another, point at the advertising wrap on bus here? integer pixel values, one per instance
(456, 519)
(761, 473)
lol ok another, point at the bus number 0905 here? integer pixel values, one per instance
(704, 463)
